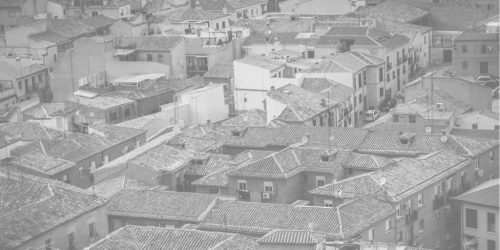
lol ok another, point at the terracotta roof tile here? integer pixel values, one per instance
(292, 237)
(486, 194)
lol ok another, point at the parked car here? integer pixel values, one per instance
(487, 80)
(371, 115)
(388, 104)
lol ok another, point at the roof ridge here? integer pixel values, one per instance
(277, 163)
(340, 222)
(461, 145)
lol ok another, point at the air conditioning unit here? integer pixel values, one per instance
(266, 196)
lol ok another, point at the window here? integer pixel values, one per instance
(91, 230)
(223, 24)
(464, 48)
(398, 211)
(48, 244)
(492, 156)
(81, 171)
(474, 126)
(484, 49)
(92, 165)
(395, 118)
(393, 74)
(217, 26)
(359, 80)
(320, 181)
(400, 236)
(471, 218)
(371, 234)
(413, 119)
(242, 185)
(420, 200)
(113, 115)
(381, 92)
(314, 121)
(71, 241)
(127, 112)
(388, 225)
(497, 127)
(490, 219)
(380, 74)
(328, 203)
(20, 85)
(149, 57)
(464, 64)
(360, 98)
(421, 225)
(491, 244)
(388, 77)
(321, 120)
(310, 54)
(160, 57)
(106, 159)
(268, 186)
(213, 190)
(65, 178)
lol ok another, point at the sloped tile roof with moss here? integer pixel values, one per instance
(394, 10)
(149, 43)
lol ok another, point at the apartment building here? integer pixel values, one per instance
(476, 54)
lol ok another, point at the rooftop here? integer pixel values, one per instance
(29, 131)
(44, 110)
(160, 205)
(42, 163)
(149, 238)
(261, 218)
(363, 36)
(220, 70)
(191, 15)
(485, 194)
(395, 11)
(102, 102)
(281, 36)
(327, 88)
(398, 181)
(301, 104)
(154, 124)
(14, 71)
(261, 62)
(293, 237)
(33, 206)
(163, 158)
(250, 118)
(149, 43)
(110, 187)
(477, 37)
(115, 134)
(219, 5)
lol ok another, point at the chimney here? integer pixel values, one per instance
(329, 155)
(323, 102)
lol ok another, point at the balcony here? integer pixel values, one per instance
(399, 60)
(437, 202)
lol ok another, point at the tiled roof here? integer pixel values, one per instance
(476, 133)
(219, 5)
(354, 62)
(406, 29)
(302, 103)
(291, 237)
(326, 66)
(282, 36)
(250, 118)
(74, 147)
(286, 163)
(486, 194)
(349, 159)
(355, 214)
(48, 109)
(16, 71)
(98, 22)
(50, 36)
(220, 70)
(190, 15)
(149, 43)
(99, 102)
(261, 62)
(261, 218)
(115, 134)
(12, 3)
(29, 131)
(214, 163)
(164, 158)
(69, 27)
(337, 137)
(363, 36)
(200, 139)
(160, 205)
(42, 163)
(108, 188)
(394, 10)
(406, 177)
(32, 206)
(450, 17)
(150, 238)
(389, 126)
(180, 85)
(153, 124)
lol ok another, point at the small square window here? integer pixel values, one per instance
(268, 186)
(242, 185)
(328, 203)
(320, 181)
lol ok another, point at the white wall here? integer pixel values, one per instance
(55, 10)
(206, 104)
(483, 122)
(274, 108)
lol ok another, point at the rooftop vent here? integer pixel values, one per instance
(323, 102)
(406, 138)
(329, 155)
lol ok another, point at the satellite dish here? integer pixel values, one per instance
(91, 114)
(428, 130)
(444, 139)
(245, 117)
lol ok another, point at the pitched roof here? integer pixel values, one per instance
(16, 71)
(109, 187)
(33, 206)
(115, 134)
(99, 102)
(250, 118)
(45, 164)
(220, 70)
(29, 131)
(261, 62)
(48, 109)
(189, 15)
(406, 177)
(363, 36)
(292, 237)
(149, 238)
(354, 61)
(214, 163)
(98, 22)
(149, 43)
(486, 194)
(219, 5)
(286, 163)
(395, 11)
(163, 158)
(261, 218)
(302, 104)
(160, 205)
(282, 36)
